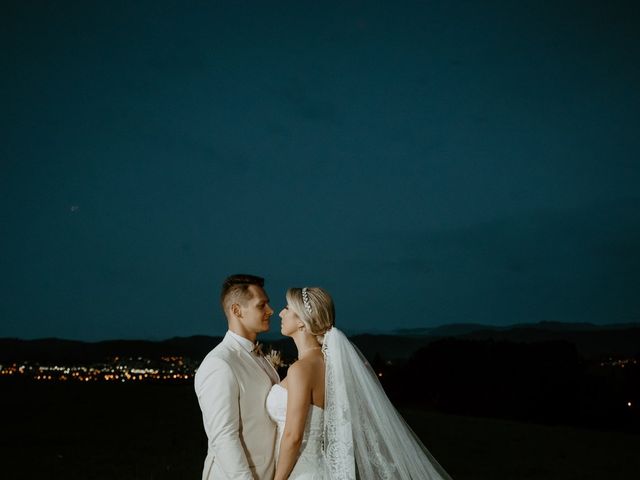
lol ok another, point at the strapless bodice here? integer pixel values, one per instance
(277, 408)
(310, 459)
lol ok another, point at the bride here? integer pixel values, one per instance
(334, 420)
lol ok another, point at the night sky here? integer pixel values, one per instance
(428, 163)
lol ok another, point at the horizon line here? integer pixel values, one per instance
(349, 332)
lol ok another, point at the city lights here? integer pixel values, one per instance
(117, 369)
(619, 362)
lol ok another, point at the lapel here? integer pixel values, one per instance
(248, 359)
(275, 377)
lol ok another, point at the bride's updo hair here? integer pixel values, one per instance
(315, 308)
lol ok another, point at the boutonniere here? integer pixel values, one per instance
(274, 358)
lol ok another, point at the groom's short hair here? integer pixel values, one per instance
(235, 289)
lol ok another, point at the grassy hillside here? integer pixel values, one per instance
(150, 432)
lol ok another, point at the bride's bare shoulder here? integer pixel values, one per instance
(301, 371)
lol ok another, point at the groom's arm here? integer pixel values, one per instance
(218, 396)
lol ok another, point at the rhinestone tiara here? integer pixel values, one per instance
(305, 300)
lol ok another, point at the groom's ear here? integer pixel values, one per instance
(236, 310)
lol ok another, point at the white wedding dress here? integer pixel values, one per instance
(359, 435)
(310, 464)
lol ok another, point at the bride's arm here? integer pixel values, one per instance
(298, 404)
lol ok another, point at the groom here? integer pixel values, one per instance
(232, 384)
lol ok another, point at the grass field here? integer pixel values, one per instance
(151, 432)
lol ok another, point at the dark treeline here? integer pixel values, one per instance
(546, 382)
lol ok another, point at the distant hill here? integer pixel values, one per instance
(54, 349)
(590, 340)
(456, 329)
(590, 343)
(445, 330)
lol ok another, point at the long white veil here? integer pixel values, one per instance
(364, 435)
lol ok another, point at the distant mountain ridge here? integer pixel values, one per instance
(465, 328)
(55, 349)
(590, 340)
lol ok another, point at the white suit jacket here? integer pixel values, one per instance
(232, 389)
